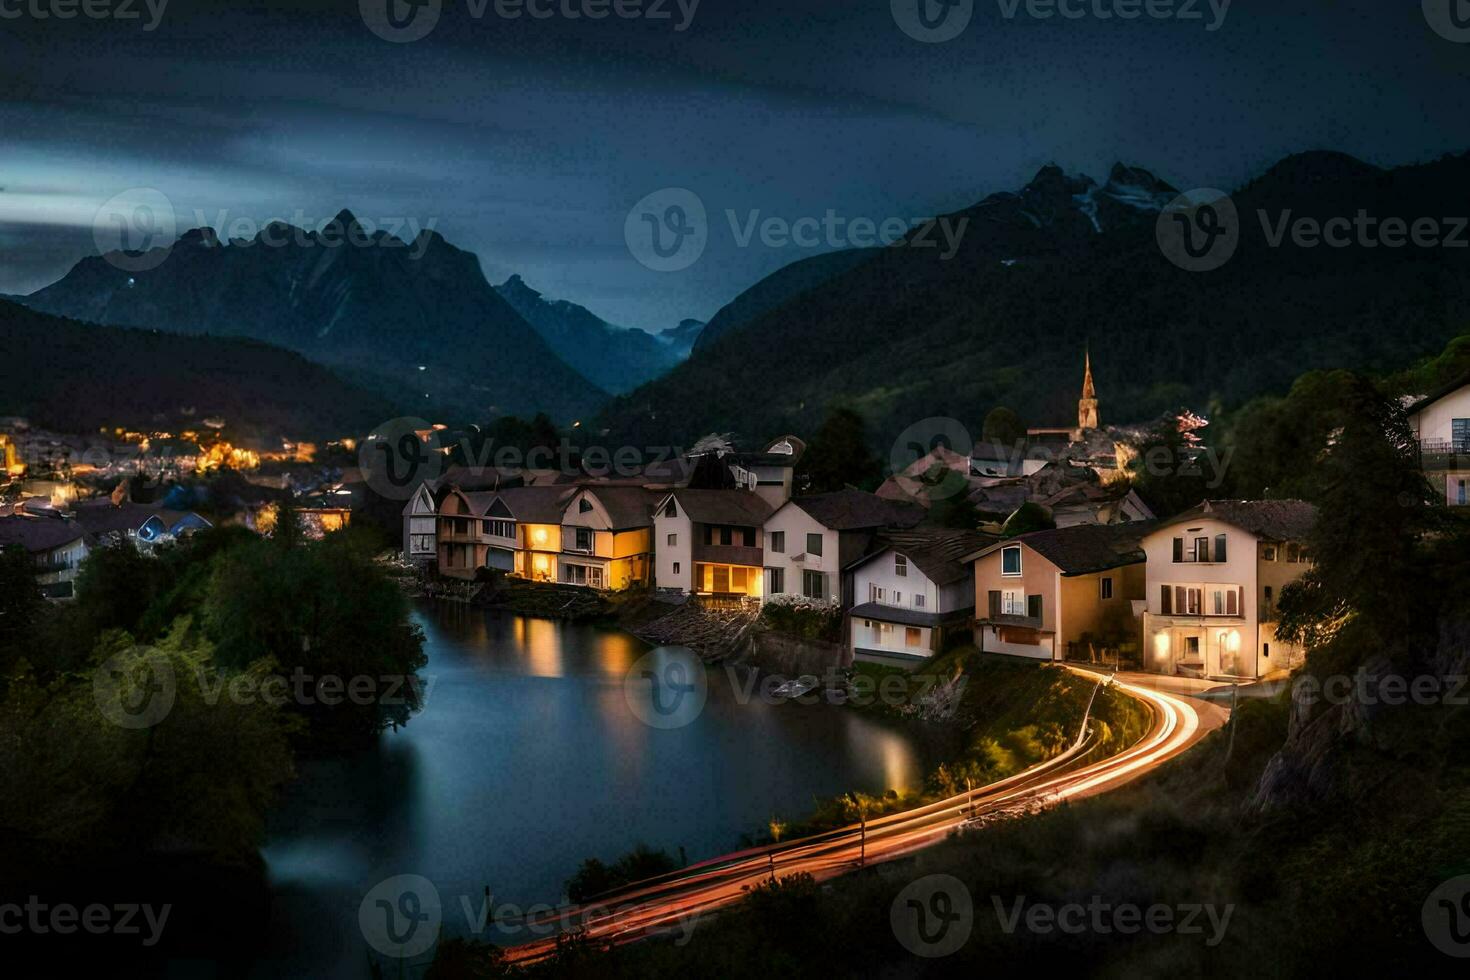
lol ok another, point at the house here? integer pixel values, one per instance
(57, 545)
(810, 539)
(771, 473)
(115, 518)
(1093, 503)
(607, 538)
(1214, 575)
(420, 519)
(709, 542)
(1058, 594)
(1441, 424)
(912, 593)
(517, 530)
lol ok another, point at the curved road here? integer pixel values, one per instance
(663, 905)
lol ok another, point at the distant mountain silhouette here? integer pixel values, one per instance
(415, 321)
(681, 339)
(904, 335)
(80, 377)
(616, 359)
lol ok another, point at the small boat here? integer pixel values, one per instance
(796, 688)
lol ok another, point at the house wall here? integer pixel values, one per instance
(880, 572)
(873, 635)
(419, 531)
(680, 553)
(1166, 637)
(1084, 610)
(797, 524)
(1038, 577)
(1434, 422)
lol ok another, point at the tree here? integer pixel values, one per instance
(838, 455)
(1168, 471)
(21, 604)
(1003, 427)
(324, 616)
(1275, 442)
(115, 588)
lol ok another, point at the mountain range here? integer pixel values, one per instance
(1067, 264)
(616, 359)
(416, 322)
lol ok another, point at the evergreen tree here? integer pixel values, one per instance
(839, 456)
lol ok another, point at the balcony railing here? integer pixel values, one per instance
(1444, 453)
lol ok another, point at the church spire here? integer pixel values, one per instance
(1087, 417)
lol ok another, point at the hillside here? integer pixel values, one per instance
(616, 359)
(77, 377)
(415, 321)
(1066, 263)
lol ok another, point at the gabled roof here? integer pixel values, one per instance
(1443, 391)
(626, 507)
(1269, 520)
(853, 510)
(1083, 548)
(39, 534)
(537, 505)
(938, 552)
(739, 508)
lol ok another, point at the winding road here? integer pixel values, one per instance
(668, 904)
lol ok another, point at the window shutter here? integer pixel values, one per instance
(1166, 599)
(1220, 552)
(1033, 606)
(994, 604)
(1178, 550)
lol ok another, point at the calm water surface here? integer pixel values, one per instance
(526, 760)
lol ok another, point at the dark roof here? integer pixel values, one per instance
(767, 458)
(1271, 520)
(1084, 548)
(735, 507)
(1438, 393)
(537, 505)
(908, 617)
(852, 510)
(39, 534)
(938, 552)
(102, 516)
(626, 506)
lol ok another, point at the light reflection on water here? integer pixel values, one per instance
(527, 759)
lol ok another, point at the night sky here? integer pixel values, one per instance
(528, 140)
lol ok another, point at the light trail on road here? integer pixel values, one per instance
(658, 905)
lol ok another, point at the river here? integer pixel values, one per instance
(527, 759)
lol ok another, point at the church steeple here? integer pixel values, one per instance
(1087, 417)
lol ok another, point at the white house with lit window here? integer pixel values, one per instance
(420, 527)
(912, 594)
(1441, 424)
(1214, 575)
(810, 540)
